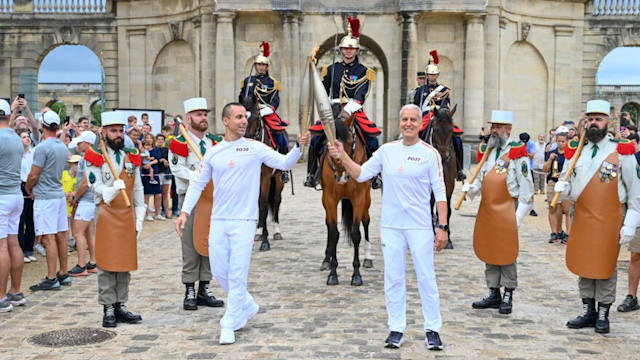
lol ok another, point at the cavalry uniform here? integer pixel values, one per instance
(118, 226)
(421, 75)
(184, 164)
(605, 177)
(351, 84)
(504, 178)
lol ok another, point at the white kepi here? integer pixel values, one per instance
(113, 118)
(501, 117)
(598, 107)
(194, 104)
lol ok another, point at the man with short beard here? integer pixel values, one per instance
(184, 165)
(504, 179)
(118, 225)
(604, 177)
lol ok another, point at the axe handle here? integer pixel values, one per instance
(474, 176)
(572, 164)
(113, 171)
(187, 138)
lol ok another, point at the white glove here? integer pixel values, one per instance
(628, 230)
(351, 107)
(266, 111)
(522, 211)
(561, 187)
(109, 193)
(140, 212)
(471, 190)
(193, 175)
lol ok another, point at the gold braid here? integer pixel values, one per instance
(259, 92)
(346, 84)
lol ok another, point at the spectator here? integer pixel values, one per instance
(132, 124)
(145, 119)
(152, 170)
(26, 231)
(17, 121)
(134, 136)
(146, 129)
(149, 181)
(553, 166)
(83, 124)
(69, 185)
(165, 174)
(49, 207)
(538, 163)
(531, 151)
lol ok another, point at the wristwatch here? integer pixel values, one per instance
(444, 227)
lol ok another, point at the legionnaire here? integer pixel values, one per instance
(347, 83)
(118, 224)
(266, 91)
(432, 96)
(604, 177)
(184, 165)
(504, 177)
(421, 77)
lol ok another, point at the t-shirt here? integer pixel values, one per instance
(82, 168)
(235, 169)
(27, 161)
(50, 155)
(410, 174)
(560, 159)
(69, 184)
(11, 150)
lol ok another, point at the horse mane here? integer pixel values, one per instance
(443, 126)
(251, 105)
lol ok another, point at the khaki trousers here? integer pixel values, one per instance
(603, 291)
(195, 267)
(498, 276)
(113, 287)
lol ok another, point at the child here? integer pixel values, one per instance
(132, 124)
(148, 163)
(69, 184)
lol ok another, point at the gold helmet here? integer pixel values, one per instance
(351, 40)
(263, 58)
(432, 66)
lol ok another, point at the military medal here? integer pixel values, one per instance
(130, 169)
(501, 166)
(608, 172)
(525, 169)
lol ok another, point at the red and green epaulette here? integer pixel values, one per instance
(214, 138)
(518, 150)
(571, 149)
(94, 156)
(625, 146)
(179, 146)
(481, 150)
(134, 156)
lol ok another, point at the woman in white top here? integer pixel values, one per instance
(26, 231)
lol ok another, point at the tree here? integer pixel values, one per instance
(60, 108)
(96, 111)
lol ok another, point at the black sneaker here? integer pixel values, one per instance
(64, 280)
(394, 340)
(629, 304)
(91, 268)
(78, 271)
(433, 341)
(553, 238)
(46, 284)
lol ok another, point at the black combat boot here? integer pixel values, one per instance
(109, 318)
(587, 318)
(190, 302)
(124, 315)
(507, 302)
(312, 168)
(602, 324)
(492, 301)
(205, 296)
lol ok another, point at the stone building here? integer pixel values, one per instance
(535, 57)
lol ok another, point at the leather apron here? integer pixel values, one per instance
(495, 235)
(116, 248)
(202, 220)
(592, 250)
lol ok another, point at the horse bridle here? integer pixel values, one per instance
(352, 131)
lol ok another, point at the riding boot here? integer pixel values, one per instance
(602, 324)
(457, 148)
(587, 318)
(312, 168)
(493, 300)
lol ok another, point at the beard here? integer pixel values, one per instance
(495, 141)
(595, 134)
(115, 144)
(203, 126)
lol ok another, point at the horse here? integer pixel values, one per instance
(355, 198)
(271, 184)
(440, 135)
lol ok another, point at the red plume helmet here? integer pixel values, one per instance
(355, 26)
(434, 54)
(266, 51)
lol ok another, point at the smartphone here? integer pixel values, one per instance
(21, 96)
(66, 120)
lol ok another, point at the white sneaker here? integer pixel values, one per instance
(32, 258)
(27, 260)
(227, 336)
(40, 249)
(149, 218)
(249, 313)
(160, 217)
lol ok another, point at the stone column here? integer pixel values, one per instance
(207, 41)
(563, 79)
(474, 75)
(286, 70)
(225, 80)
(409, 54)
(296, 76)
(491, 64)
(137, 68)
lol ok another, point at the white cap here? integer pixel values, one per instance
(74, 158)
(194, 104)
(74, 142)
(4, 106)
(49, 118)
(113, 118)
(562, 129)
(598, 107)
(87, 136)
(501, 117)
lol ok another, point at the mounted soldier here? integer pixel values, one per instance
(348, 83)
(431, 97)
(266, 92)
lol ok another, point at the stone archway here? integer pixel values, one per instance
(175, 61)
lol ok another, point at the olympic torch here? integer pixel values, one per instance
(323, 104)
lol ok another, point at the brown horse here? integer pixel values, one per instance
(338, 187)
(440, 135)
(271, 184)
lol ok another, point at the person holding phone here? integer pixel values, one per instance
(16, 121)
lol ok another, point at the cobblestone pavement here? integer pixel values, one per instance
(302, 318)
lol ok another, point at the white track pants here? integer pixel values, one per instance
(394, 250)
(230, 246)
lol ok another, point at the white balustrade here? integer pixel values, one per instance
(616, 7)
(69, 6)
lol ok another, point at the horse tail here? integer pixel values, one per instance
(347, 219)
(271, 198)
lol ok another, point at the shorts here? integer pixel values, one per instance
(10, 211)
(50, 216)
(85, 211)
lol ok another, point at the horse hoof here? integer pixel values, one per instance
(257, 237)
(449, 245)
(265, 246)
(367, 263)
(332, 280)
(277, 236)
(325, 266)
(356, 280)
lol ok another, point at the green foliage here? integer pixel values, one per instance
(96, 111)
(60, 108)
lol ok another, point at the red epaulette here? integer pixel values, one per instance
(481, 150)
(94, 156)
(571, 149)
(626, 147)
(134, 156)
(518, 150)
(179, 146)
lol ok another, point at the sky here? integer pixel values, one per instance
(78, 64)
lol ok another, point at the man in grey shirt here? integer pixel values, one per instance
(11, 257)
(50, 207)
